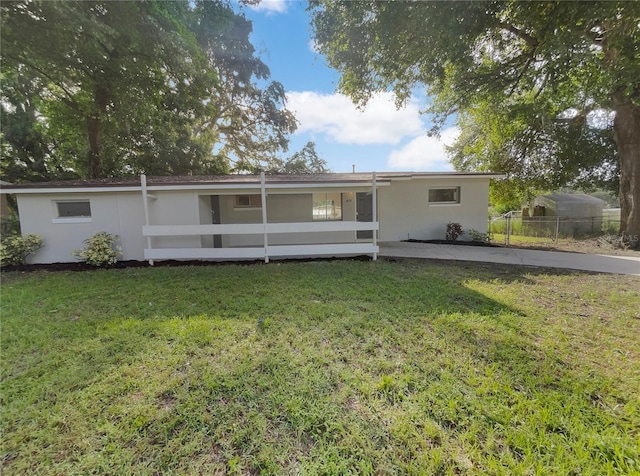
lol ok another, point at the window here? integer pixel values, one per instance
(327, 206)
(74, 209)
(444, 195)
(71, 211)
(248, 201)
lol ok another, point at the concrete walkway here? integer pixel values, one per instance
(551, 259)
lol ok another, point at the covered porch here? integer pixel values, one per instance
(269, 220)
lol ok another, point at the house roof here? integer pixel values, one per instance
(571, 198)
(242, 180)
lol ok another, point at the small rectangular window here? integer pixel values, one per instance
(248, 201)
(444, 195)
(327, 206)
(74, 209)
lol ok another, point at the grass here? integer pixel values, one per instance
(576, 245)
(524, 240)
(577, 228)
(406, 367)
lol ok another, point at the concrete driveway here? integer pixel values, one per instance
(548, 259)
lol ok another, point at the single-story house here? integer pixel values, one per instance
(250, 216)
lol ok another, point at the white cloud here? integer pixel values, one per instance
(271, 6)
(424, 152)
(336, 116)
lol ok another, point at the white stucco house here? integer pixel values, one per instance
(250, 216)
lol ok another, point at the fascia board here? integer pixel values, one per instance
(159, 188)
(54, 190)
(452, 177)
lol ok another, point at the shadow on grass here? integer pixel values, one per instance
(271, 369)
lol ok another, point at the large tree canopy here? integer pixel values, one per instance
(546, 91)
(100, 89)
(305, 161)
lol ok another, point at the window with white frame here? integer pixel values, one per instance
(74, 209)
(444, 195)
(248, 201)
(327, 206)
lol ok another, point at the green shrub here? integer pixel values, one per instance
(101, 250)
(454, 231)
(14, 249)
(479, 236)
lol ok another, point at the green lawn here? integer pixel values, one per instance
(341, 367)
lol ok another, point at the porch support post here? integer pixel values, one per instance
(374, 211)
(263, 194)
(145, 199)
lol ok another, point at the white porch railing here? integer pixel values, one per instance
(265, 229)
(262, 252)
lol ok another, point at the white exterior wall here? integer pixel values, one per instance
(231, 215)
(283, 208)
(120, 214)
(404, 211)
(174, 208)
(206, 218)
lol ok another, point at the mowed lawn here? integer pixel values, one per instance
(331, 367)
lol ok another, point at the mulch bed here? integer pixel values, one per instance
(157, 264)
(452, 242)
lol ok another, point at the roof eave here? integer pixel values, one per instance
(272, 182)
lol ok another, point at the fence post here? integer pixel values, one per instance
(507, 238)
(555, 241)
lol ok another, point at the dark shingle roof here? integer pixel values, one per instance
(364, 177)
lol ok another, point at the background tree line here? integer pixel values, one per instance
(100, 89)
(547, 92)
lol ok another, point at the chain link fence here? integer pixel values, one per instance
(513, 227)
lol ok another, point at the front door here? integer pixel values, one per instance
(364, 212)
(215, 219)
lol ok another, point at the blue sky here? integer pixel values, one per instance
(379, 138)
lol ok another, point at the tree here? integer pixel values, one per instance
(26, 154)
(105, 73)
(539, 157)
(305, 161)
(140, 86)
(251, 125)
(542, 71)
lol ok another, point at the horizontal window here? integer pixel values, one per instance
(74, 209)
(327, 206)
(248, 201)
(444, 195)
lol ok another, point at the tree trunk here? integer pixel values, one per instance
(626, 128)
(94, 133)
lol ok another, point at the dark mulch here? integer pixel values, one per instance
(145, 264)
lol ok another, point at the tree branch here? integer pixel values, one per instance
(521, 73)
(68, 100)
(528, 39)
